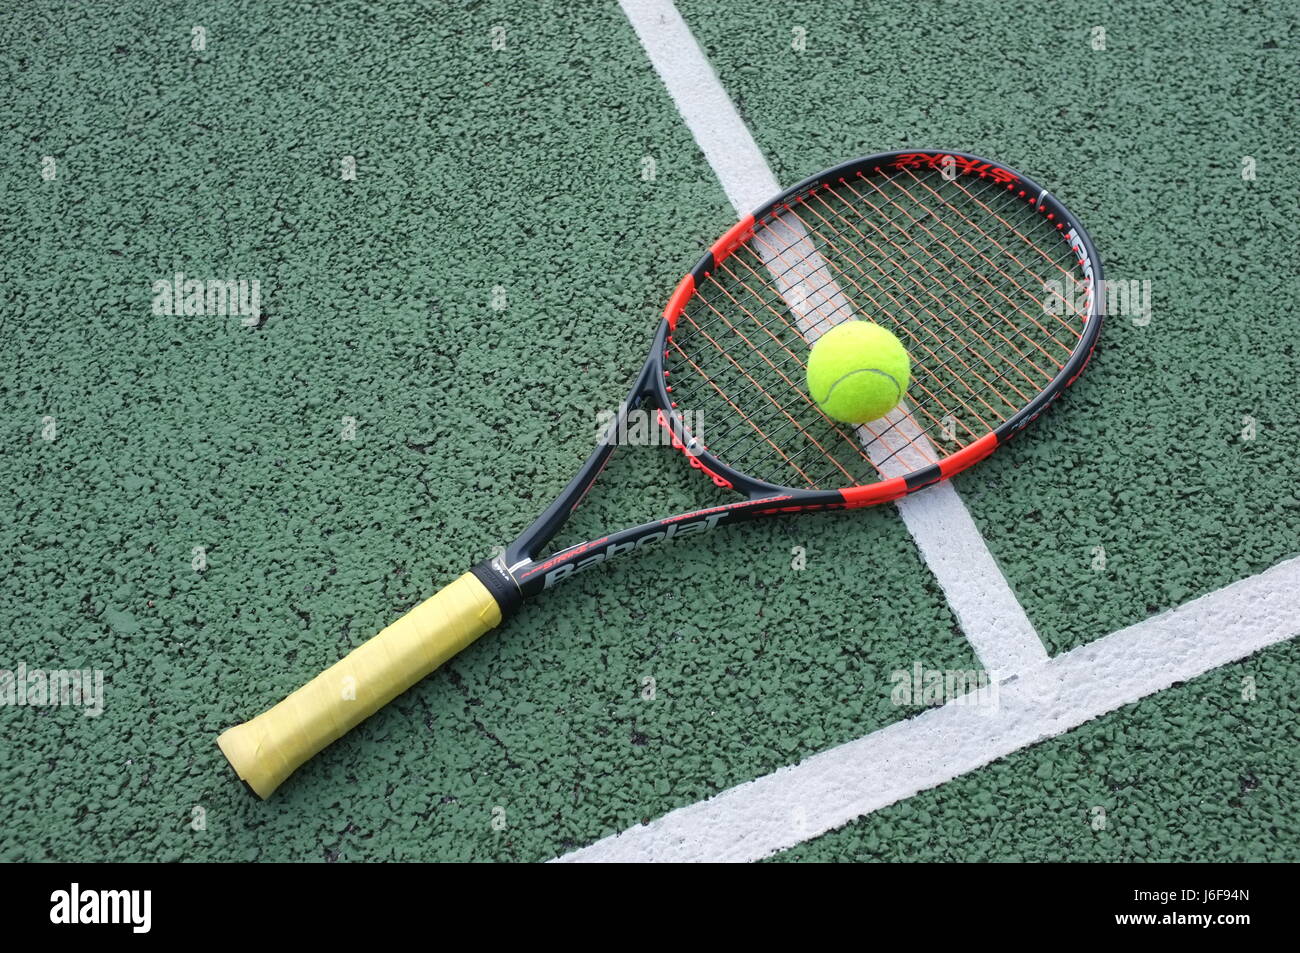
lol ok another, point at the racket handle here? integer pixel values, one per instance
(273, 745)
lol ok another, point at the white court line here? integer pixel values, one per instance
(704, 105)
(980, 596)
(775, 812)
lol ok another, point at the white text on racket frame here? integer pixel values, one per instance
(670, 531)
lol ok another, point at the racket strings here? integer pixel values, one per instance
(790, 363)
(779, 255)
(1010, 342)
(1064, 263)
(758, 385)
(927, 339)
(740, 428)
(932, 281)
(1039, 284)
(945, 266)
(824, 320)
(823, 316)
(961, 271)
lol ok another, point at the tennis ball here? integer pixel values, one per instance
(858, 371)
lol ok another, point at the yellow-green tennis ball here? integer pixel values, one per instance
(858, 371)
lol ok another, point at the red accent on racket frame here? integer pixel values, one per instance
(694, 461)
(872, 493)
(677, 301)
(968, 456)
(732, 239)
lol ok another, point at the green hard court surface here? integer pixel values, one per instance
(484, 285)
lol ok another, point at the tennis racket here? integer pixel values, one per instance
(987, 279)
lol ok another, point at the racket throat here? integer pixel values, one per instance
(574, 560)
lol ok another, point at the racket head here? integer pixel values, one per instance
(985, 276)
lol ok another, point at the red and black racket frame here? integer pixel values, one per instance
(520, 573)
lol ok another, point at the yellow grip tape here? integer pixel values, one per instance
(273, 745)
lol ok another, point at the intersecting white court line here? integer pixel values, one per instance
(981, 598)
(1038, 698)
(827, 790)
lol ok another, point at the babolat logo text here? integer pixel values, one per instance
(77, 906)
(671, 531)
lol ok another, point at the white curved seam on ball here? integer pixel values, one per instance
(863, 370)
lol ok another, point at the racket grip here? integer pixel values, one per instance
(277, 742)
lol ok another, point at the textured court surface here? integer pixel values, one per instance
(485, 284)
